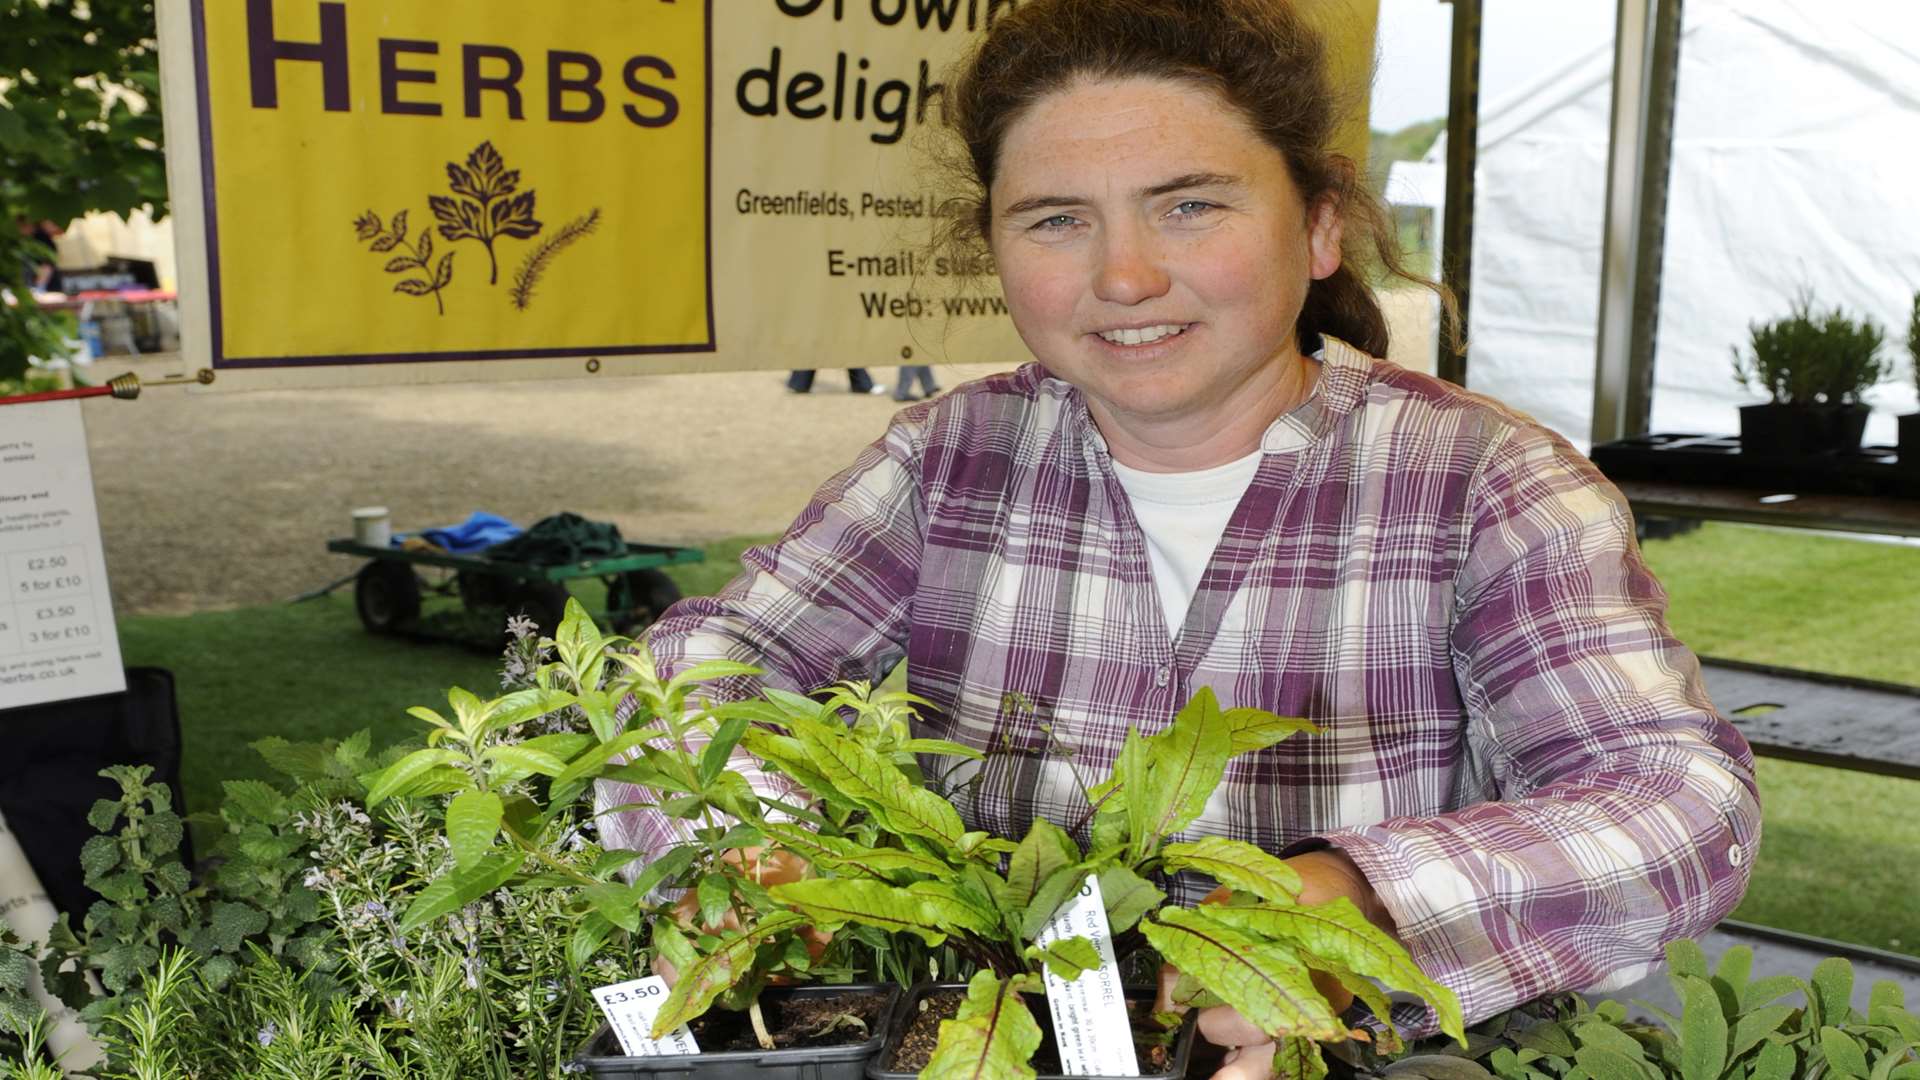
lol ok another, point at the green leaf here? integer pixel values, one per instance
(1261, 978)
(1833, 986)
(1548, 1037)
(1730, 978)
(1183, 767)
(1238, 865)
(1129, 897)
(1299, 1058)
(786, 755)
(834, 902)
(1604, 1063)
(1257, 729)
(1338, 932)
(1755, 1026)
(876, 783)
(1684, 957)
(993, 1035)
(713, 759)
(522, 761)
(664, 868)
(1703, 1029)
(1068, 957)
(395, 778)
(718, 971)
(956, 908)
(1042, 852)
(473, 820)
(591, 761)
(1844, 1055)
(587, 940)
(529, 704)
(1886, 994)
(618, 904)
(1059, 886)
(1769, 988)
(715, 894)
(941, 747)
(454, 890)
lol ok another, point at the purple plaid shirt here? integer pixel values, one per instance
(1516, 751)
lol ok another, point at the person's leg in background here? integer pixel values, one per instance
(801, 381)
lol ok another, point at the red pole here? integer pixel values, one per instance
(126, 387)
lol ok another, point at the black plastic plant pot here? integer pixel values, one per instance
(601, 1056)
(1909, 458)
(1789, 431)
(881, 1067)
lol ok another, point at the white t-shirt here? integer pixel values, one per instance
(1184, 515)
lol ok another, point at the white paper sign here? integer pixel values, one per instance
(1090, 1023)
(57, 637)
(630, 1008)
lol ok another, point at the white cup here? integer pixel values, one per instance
(372, 527)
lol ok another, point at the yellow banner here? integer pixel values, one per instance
(403, 190)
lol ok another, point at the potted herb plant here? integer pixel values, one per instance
(1730, 1027)
(1813, 367)
(894, 856)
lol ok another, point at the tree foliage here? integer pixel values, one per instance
(79, 131)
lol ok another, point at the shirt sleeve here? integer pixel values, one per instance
(1627, 814)
(827, 602)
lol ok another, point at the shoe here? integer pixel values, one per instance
(904, 397)
(877, 388)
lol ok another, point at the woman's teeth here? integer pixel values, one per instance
(1146, 335)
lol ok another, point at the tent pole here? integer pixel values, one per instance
(1646, 66)
(1463, 156)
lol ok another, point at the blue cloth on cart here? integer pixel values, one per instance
(481, 530)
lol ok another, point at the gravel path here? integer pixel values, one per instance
(211, 501)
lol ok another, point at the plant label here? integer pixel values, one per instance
(630, 1008)
(1090, 1023)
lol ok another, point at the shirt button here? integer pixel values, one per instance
(1736, 855)
(1162, 675)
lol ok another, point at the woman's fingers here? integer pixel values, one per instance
(1253, 1062)
(1221, 1025)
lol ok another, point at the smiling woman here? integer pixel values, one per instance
(1208, 481)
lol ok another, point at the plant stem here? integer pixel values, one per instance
(759, 1025)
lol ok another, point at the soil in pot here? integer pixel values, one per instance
(1152, 1043)
(794, 1022)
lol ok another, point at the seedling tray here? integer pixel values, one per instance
(601, 1056)
(1718, 461)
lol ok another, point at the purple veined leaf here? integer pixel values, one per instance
(384, 242)
(514, 217)
(413, 287)
(399, 225)
(400, 264)
(423, 251)
(443, 272)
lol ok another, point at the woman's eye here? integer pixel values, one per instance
(1055, 223)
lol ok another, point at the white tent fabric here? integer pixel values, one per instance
(1796, 164)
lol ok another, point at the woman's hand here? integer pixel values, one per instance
(768, 868)
(1324, 875)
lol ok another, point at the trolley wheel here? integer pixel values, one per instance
(387, 596)
(545, 602)
(638, 597)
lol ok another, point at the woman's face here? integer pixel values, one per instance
(1155, 251)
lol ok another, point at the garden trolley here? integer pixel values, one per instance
(388, 590)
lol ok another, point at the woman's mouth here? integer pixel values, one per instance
(1143, 335)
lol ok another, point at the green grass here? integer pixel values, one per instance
(1838, 849)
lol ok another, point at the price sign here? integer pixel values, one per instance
(631, 1007)
(57, 637)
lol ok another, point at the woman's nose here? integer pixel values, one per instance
(1129, 268)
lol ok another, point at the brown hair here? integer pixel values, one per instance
(1259, 55)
